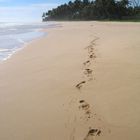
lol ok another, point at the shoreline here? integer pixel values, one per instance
(17, 36)
(22, 47)
(81, 81)
(26, 44)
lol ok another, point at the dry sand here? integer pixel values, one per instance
(81, 82)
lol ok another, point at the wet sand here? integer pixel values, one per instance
(80, 82)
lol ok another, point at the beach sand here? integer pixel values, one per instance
(80, 82)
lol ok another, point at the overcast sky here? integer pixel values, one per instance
(26, 10)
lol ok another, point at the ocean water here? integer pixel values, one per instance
(14, 36)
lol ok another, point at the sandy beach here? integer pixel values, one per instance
(80, 82)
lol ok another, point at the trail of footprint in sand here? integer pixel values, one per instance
(84, 106)
(87, 71)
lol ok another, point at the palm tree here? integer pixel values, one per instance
(92, 9)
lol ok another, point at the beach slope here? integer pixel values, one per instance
(80, 82)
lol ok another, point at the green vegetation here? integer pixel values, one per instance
(128, 10)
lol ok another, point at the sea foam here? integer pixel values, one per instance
(13, 36)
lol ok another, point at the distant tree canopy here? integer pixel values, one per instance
(94, 10)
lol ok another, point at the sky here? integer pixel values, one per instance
(26, 10)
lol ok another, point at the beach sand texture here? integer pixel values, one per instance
(80, 82)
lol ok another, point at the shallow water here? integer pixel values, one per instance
(13, 36)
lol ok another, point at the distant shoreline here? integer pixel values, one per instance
(105, 20)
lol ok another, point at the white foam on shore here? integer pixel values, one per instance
(14, 36)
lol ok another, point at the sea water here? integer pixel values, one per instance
(14, 36)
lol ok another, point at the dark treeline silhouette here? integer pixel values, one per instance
(95, 10)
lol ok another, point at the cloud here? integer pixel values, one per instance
(31, 12)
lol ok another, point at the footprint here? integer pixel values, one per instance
(88, 113)
(86, 107)
(87, 63)
(90, 50)
(79, 86)
(92, 56)
(88, 72)
(92, 133)
(81, 101)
